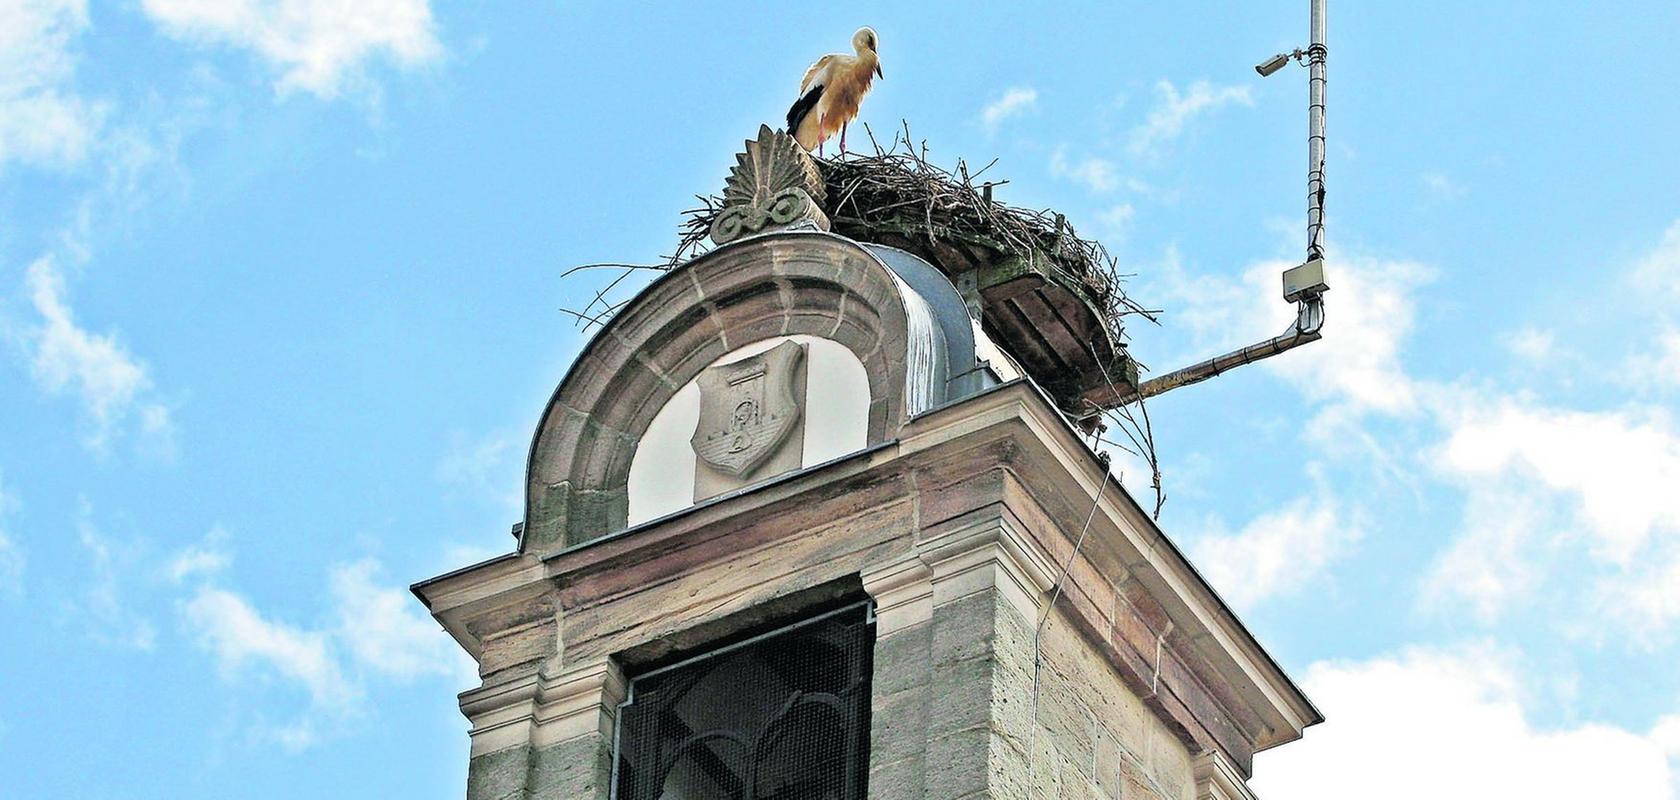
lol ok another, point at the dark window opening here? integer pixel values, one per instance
(781, 716)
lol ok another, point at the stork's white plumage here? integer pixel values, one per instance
(832, 90)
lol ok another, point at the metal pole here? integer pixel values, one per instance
(1317, 53)
(1309, 317)
(1308, 327)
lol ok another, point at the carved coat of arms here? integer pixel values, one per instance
(748, 408)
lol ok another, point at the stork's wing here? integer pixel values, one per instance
(802, 108)
(818, 73)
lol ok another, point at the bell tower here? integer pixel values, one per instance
(813, 516)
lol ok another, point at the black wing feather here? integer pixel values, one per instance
(802, 107)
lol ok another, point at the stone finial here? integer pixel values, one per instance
(774, 185)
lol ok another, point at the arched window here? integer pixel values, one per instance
(782, 716)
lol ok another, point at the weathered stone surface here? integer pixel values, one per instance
(901, 704)
(899, 780)
(902, 660)
(899, 724)
(1107, 766)
(774, 185)
(638, 605)
(1063, 715)
(525, 645)
(1137, 783)
(495, 776)
(579, 769)
(958, 764)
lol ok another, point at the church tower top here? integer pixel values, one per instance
(812, 515)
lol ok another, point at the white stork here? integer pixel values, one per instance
(832, 90)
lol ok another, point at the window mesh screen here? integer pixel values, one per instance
(784, 716)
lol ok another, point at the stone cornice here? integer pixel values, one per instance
(1216, 779)
(1124, 541)
(539, 710)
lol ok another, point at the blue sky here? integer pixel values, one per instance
(279, 292)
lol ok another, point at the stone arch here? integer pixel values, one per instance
(785, 283)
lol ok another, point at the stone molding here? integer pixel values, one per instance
(984, 551)
(953, 560)
(755, 289)
(903, 594)
(1217, 779)
(535, 710)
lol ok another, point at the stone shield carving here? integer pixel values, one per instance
(748, 408)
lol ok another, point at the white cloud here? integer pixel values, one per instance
(109, 615)
(1621, 467)
(1562, 497)
(1117, 219)
(377, 632)
(11, 556)
(383, 628)
(1659, 270)
(1451, 723)
(1014, 102)
(1552, 496)
(1357, 363)
(209, 557)
(1646, 599)
(1496, 558)
(1096, 174)
(1176, 109)
(1666, 733)
(97, 368)
(1276, 552)
(1371, 312)
(1658, 368)
(242, 640)
(43, 122)
(1531, 344)
(1443, 186)
(1552, 493)
(488, 468)
(1147, 141)
(316, 45)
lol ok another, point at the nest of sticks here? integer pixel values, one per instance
(895, 195)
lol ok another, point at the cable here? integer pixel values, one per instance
(1056, 593)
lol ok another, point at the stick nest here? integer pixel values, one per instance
(896, 196)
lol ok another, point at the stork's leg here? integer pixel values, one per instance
(843, 138)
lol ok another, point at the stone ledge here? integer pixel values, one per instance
(539, 711)
(1217, 779)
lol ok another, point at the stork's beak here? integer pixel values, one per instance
(878, 71)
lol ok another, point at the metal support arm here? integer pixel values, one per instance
(1309, 321)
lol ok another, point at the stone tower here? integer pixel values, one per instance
(808, 519)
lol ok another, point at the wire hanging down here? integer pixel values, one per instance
(1056, 588)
